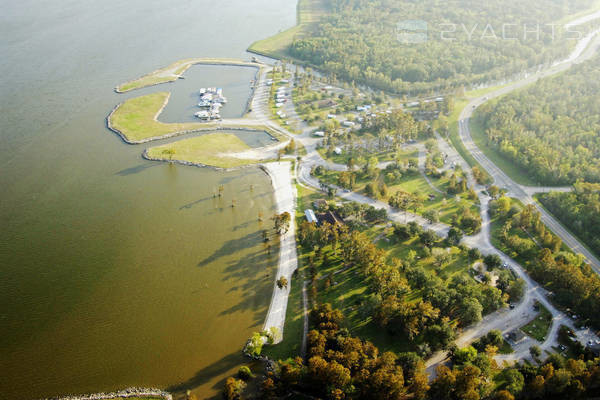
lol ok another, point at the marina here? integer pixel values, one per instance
(211, 101)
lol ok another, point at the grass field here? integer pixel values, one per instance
(210, 149)
(405, 155)
(446, 205)
(276, 46)
(538, 327)
(166, 74)
(136, 119)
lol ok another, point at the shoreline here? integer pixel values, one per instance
(185, 64)
(125, 393)
(285, 201)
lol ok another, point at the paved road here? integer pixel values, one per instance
(584, 51)
(288, 259)
(505, 320)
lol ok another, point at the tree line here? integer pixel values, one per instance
(364, 41)
(550, 130)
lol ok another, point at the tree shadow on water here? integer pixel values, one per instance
(195, 202)
(136, 169)
(233, 246)
(203, 376)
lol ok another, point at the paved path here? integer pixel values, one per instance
(288, 260)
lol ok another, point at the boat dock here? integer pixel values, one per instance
(211, 101)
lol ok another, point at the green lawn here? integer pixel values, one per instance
(390, 155)
(136, 119)
(446, 205)
(505, 348)
(210, 149)
(276, 46)
(349, 288)
(538, 327)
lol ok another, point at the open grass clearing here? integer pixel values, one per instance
(210, 149)
(539, 327)
(446, 205)
(136, 119)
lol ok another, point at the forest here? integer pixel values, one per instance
(522, 235)
(579, 210)
(550, 130)
(466, 41)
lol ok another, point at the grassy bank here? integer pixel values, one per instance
(276, 46)
(174, 71)
(136, 119)
(210, 149)
(289, 347)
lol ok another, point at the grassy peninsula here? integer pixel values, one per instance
(210, 149)
(136, 119)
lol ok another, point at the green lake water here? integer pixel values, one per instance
(118, 271)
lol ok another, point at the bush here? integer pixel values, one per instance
(244, 373)
(492, 261)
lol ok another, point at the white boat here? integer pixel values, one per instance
(205, 115)
(202, 91)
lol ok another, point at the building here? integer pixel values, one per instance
(310, 216)
(331, 218)
(516, 336)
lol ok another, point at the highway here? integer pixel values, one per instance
(584, 51)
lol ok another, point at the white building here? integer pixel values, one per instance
(310, 216)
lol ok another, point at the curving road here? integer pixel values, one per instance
(584, 51)
(504, 320)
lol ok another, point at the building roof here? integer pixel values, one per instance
(310, 216)
(332, 218)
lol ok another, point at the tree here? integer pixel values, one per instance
(474, 254)
(244, 373)
(503, 395)
(465, 355)
(428, 238)
(234, 388)
(454, 237)
(282, 282)
(170, 153)
(514, 381)
(470, 311)
(492, 261)
(282, 222)
(535, 352)
(431, 216)
(493, 190)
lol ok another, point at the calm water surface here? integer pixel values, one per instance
(116, 271)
